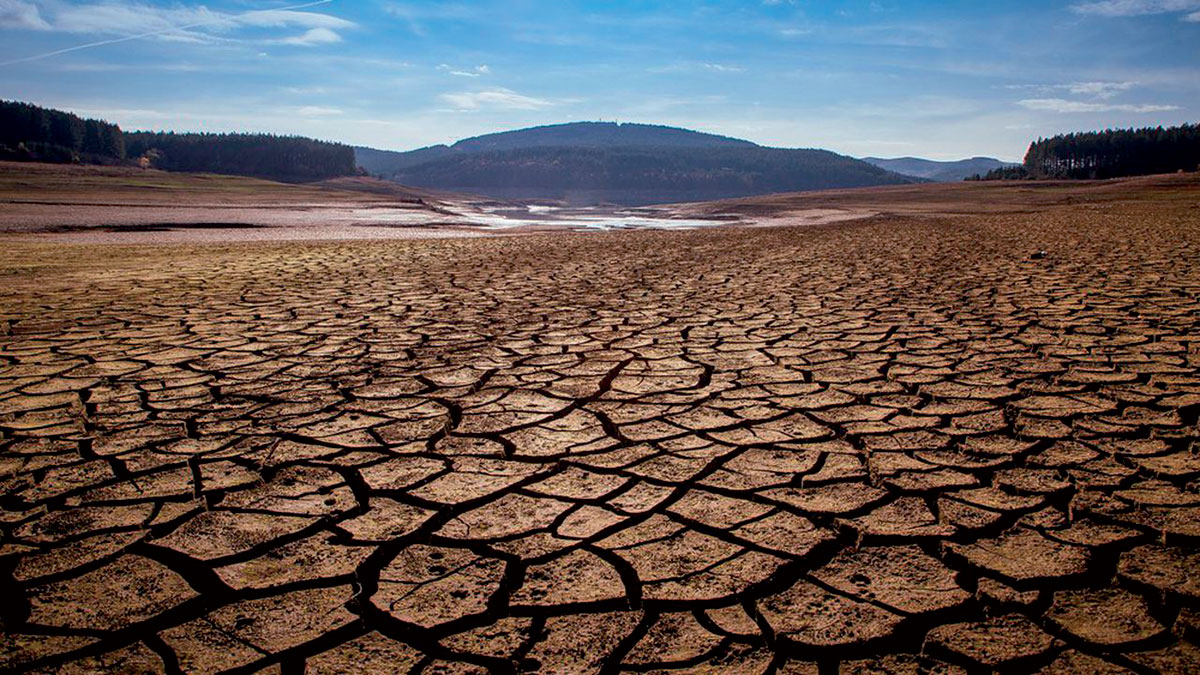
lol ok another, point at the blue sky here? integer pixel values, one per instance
(942, 80)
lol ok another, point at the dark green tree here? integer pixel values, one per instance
(67, 131)
(32, 133)
(287, 158)
(1116, 152)
(29, 132)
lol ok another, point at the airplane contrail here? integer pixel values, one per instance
(161, 31)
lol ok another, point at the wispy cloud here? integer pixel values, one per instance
(477, 71)
(124, 18)
(496, 99)
(271, 18)
(1060, 105)
(305, 91)
(312, 37)
(416, 15)
(1104, 90)
(139, 21)
(20, 15)
(691, 67)
(1115, 8)
(1098, 90)
(317, 111)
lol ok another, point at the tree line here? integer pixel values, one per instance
(1116, 152)
(287, 158)
(1111, 153)
(32, 133)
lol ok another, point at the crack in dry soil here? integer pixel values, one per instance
(885, 446)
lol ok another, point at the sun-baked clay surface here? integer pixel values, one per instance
(896, 445)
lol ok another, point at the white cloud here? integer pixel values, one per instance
(1099, 90)
(311, 37)
(124, 19)
(1059, 105)
(20, 15)
(285, 17)
(136, 21)
(317, 111)
(175, 22)
(1102, 90)
(497, 99)
(1139, 7)
(691, 67)
(305, 91)
(477, 71)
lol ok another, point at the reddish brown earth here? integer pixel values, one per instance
(901, 445)
(93, 204)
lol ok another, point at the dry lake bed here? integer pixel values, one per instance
(955, 434)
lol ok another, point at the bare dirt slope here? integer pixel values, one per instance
(23, 182)
(98, 204)
(874, 446)
(963, 198)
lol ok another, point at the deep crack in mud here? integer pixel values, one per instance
(894, 445)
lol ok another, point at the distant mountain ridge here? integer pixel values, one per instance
(940, 172)
(630, 164)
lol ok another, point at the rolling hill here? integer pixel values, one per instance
(940, 172)
(629, 164)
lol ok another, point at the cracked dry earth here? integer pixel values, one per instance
(900, 445)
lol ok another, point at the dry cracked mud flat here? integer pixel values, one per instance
(902, 445)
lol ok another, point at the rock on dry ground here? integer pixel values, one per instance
(900, 445)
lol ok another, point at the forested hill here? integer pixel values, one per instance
(284, 158)
(32, 133)
(630, 164)
(574, 135)
(644, 175)
(598, 135)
